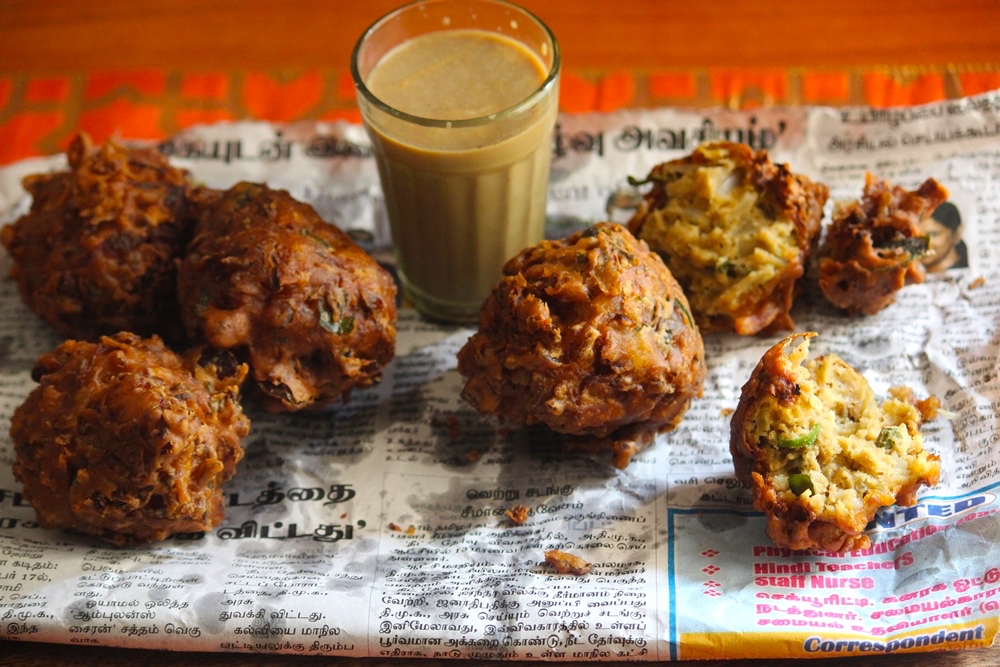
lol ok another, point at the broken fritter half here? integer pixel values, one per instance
(735, 230)
(820, 453)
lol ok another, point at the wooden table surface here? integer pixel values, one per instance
(54, 38)
(59, 34)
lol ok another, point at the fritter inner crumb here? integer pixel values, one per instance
(518, 514)
(566, 563)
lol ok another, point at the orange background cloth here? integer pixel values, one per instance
(39, 115)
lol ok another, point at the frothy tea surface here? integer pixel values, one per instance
(456, 75)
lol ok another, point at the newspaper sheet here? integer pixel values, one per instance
(377, 527)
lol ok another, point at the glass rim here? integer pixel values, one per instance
(477, 121)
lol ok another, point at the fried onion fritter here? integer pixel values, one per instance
(874, 246)
(309, 310)
(96, 253)
(590, 336)
(820, 453)
(736, 230)
(125, 440)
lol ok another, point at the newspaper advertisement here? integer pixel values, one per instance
(377, 527)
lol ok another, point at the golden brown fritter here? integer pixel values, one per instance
(874, 246)
(736, 231)
(820, 453)
(125, 440)
(590, 336)
(311, 312)
(96, 252)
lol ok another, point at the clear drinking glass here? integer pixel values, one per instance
(465, 184)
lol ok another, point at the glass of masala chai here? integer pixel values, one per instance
(459, 98)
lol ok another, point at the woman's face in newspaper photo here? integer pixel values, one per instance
(944, 227)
